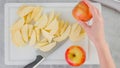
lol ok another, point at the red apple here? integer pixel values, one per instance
(82, 12)
(75, 56)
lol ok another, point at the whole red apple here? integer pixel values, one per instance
(75, 55)
(82, 12)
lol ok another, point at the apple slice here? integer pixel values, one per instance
(28, 18)
(48, 47)
(42, 22)
(33, 38)
(64, 28)
(38, 34)
(17, 38)
(24, 10)
(41, 43)
(82, 34)
(44, 40)
(18, 24)
(61, 25)
(30, 29)
(75, 32)
(64, 35)
(47, 35)
(53, 26)
(75, 55)
(24, 31)
(37, 11)
(51, 16)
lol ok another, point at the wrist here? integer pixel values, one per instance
(100, 43)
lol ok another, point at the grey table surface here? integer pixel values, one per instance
(112, 32)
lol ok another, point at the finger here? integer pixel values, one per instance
(91, 7)
(84, 25)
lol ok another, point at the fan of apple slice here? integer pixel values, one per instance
(43, 30)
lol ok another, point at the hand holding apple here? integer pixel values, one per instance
(82, 12)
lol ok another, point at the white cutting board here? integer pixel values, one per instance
(23, 55)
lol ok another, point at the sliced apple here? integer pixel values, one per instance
(24, 10)
(48, 47)
(33, 38)
(51, 16)
(44, 40)
(64, 28)
(36, 13)
(38, 34)
(18, 24)
(28, 18)
(53, 26)
(24, 31)
(61, 25)
(64, 35)
(30, 29)
(47, 35)
(41, 43)
(75, 32)
(82, 33)
(17, 38)
(42, 22)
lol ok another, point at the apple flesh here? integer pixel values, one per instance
(75, 56)
(82, 12)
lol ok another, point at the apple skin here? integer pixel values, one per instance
(82, 12)
(75, 55)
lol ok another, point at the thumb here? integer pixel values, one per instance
(84, 25)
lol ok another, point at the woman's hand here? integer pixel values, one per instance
(96, 30)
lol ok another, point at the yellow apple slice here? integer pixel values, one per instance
(64, 35)
(24, 31)
(48, 47)
(36, 13)
(42, 22)
(61, 24)
(33, 38)
(38, 34)
(75, 32)
(30, 29)
(18, 24)
(82, 33)
(47, 35)
(28, 18)
(51, 17)
(41, 43)
(44, 40)
(53, 26)
(64, 28)
(24, 10)
(17, 38)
